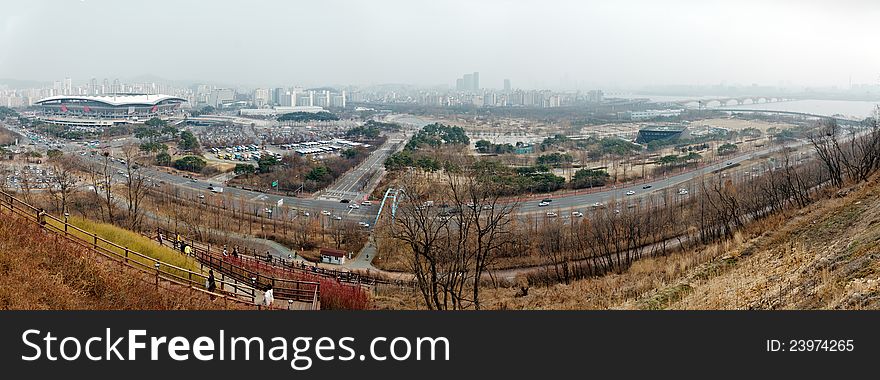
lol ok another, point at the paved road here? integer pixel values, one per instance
(529, 205)
(314, 206)
(606, 197)
(357, 183)
(364, 259)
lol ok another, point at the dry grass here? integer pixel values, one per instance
(604, 292)
(132, 240)
(826, 256)
(41, 271)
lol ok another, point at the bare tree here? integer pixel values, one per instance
(484, 222)
(828, 150)
(135, 186)
(427, 237)
(63, 182)
(26, 183)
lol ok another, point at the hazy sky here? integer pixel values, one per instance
(546, 43)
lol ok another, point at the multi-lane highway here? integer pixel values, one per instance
(313, 206)
(619, 193)
(354, 184)
(346, 188)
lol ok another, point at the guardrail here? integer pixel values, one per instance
(281, 266)
(229, 291)
(296, 290)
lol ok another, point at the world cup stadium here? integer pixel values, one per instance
(104, 111)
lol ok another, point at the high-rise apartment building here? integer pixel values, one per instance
(261, 97)
(468, 82)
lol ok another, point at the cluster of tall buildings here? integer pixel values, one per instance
(298, 96)
(468, 82)
(467, 93)
(105, 87)
(480, 98)
(223, 97)
(26, 97)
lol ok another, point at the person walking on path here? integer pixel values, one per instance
(269, 297)
(211, 283)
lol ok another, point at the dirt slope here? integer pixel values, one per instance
(826, 257)
(38, 271)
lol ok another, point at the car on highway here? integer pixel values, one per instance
(354, 206)
(729, 163)
(344, 200)
(542, 204)
(630, 192)
(646, 187)
(577, 214)
(551, 214)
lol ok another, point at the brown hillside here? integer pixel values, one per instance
(39, 270)
(828, 257)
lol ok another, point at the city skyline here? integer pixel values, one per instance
(565, 45)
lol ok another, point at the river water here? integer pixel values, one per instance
(848, 108)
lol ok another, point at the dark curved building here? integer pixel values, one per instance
(660, 132)
(106, 110)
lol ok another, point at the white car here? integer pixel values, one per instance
(552, 214)
(354, 205)
(542, 204)
(682, 191)
(597, 204)
(630, 192)
(325, 213)
(364, 224)
(577, 214)
(337, 217)
(366, 203)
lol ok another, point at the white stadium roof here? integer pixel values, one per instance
(116, 100)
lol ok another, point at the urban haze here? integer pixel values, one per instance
(549, 44)
(439, 155)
